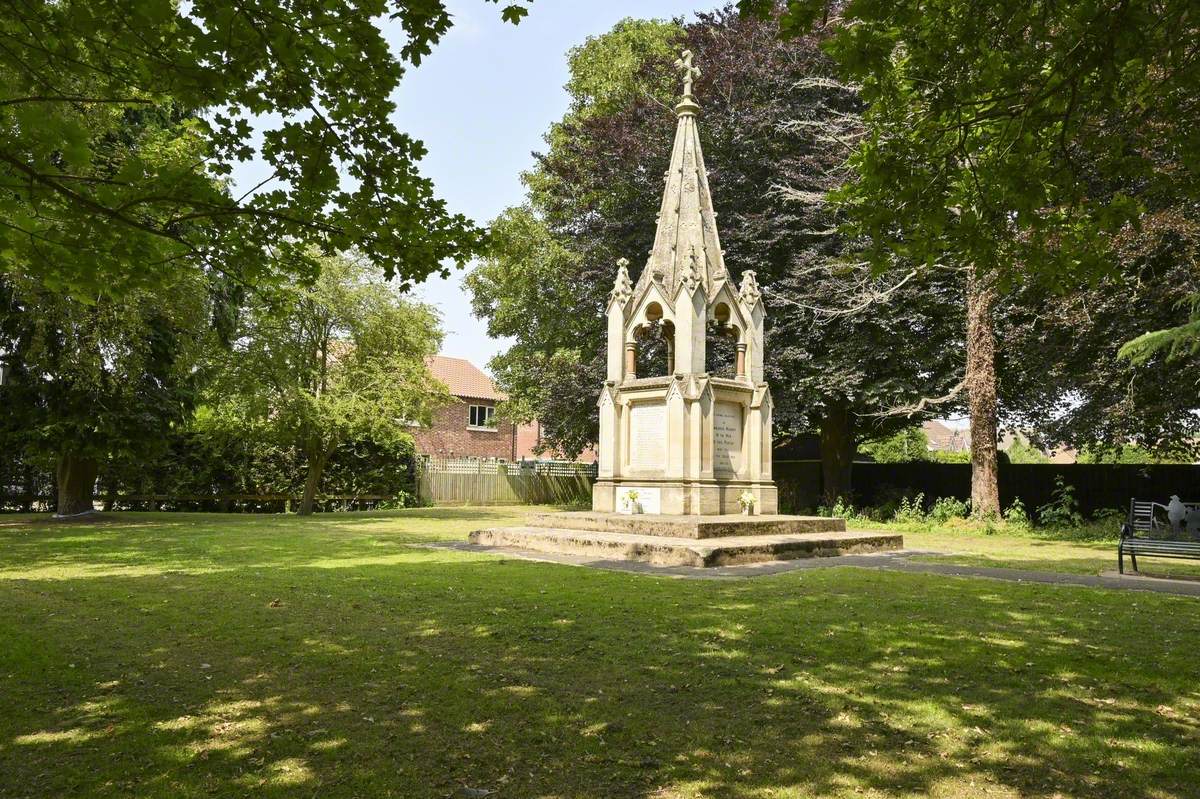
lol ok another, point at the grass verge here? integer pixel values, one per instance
(201, 655)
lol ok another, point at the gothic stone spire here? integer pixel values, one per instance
(686, 220)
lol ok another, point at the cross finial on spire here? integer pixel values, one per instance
(684, 64)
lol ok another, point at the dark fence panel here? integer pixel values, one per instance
(1097, 486)
(799, 484)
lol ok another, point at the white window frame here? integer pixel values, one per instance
(489, 417)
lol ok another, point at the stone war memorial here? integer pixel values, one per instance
(685, 457)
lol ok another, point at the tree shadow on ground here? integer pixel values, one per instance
(420, 678)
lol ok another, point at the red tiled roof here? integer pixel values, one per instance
(464, 379)
(944, 438)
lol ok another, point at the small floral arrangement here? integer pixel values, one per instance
(747, 500)
(630, 500)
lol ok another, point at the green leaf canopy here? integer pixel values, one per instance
(96, 203)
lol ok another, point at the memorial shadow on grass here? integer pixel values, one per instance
(355, 668)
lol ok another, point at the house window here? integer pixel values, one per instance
(482, 416)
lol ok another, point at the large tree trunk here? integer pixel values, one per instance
(837, 451)
(316, 467)
(981, 395)
(110, 496)
(76, 482)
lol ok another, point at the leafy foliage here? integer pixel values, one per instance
(207, 459)
(910, 510)
(1128, 453)
(100, 203)
(339, 361)
(101, 380)
(1063, 509)
(946, 508)
(909, 444)
(1016, 517)
(1061, 374)
(1014, 136)
(1021, 451)
(771, 115)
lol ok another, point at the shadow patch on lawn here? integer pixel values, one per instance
(531, 679)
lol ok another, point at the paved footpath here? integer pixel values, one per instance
(888, 561)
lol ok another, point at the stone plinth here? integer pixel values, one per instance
(698, 541)
(688, 526)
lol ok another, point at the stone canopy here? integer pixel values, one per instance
(685, 442)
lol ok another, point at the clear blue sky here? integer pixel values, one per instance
(482, 102)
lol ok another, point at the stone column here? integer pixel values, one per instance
(741, 361)
(630, 360)
(756, 344)
(677, 433)
(616, 343)
(754, 432)
(609, 452)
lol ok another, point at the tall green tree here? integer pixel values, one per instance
(312, 79)
(1061, 376)
(1014, 139)
(340, 360)
(843, 345)
(93, 382)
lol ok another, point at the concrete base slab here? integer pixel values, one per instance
(695, 527)
(678, 551)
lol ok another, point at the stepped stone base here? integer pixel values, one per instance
(701, 541)
(688, 526)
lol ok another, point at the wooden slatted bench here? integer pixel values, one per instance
(1148, 533)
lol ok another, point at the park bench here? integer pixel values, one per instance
(1151, 532)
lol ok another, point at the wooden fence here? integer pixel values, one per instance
(473, 481)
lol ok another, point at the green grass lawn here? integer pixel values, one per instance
(1088, 550)
(205, 655)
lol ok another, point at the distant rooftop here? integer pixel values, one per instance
(464, 379)
(944, 438)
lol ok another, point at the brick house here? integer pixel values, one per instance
(468, 426)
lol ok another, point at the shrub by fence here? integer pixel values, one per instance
(198, 473)
(1097, 485)
(474, 481)
(214, 503)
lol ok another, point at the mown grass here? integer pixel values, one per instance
(1088, 549)
(203, 655)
